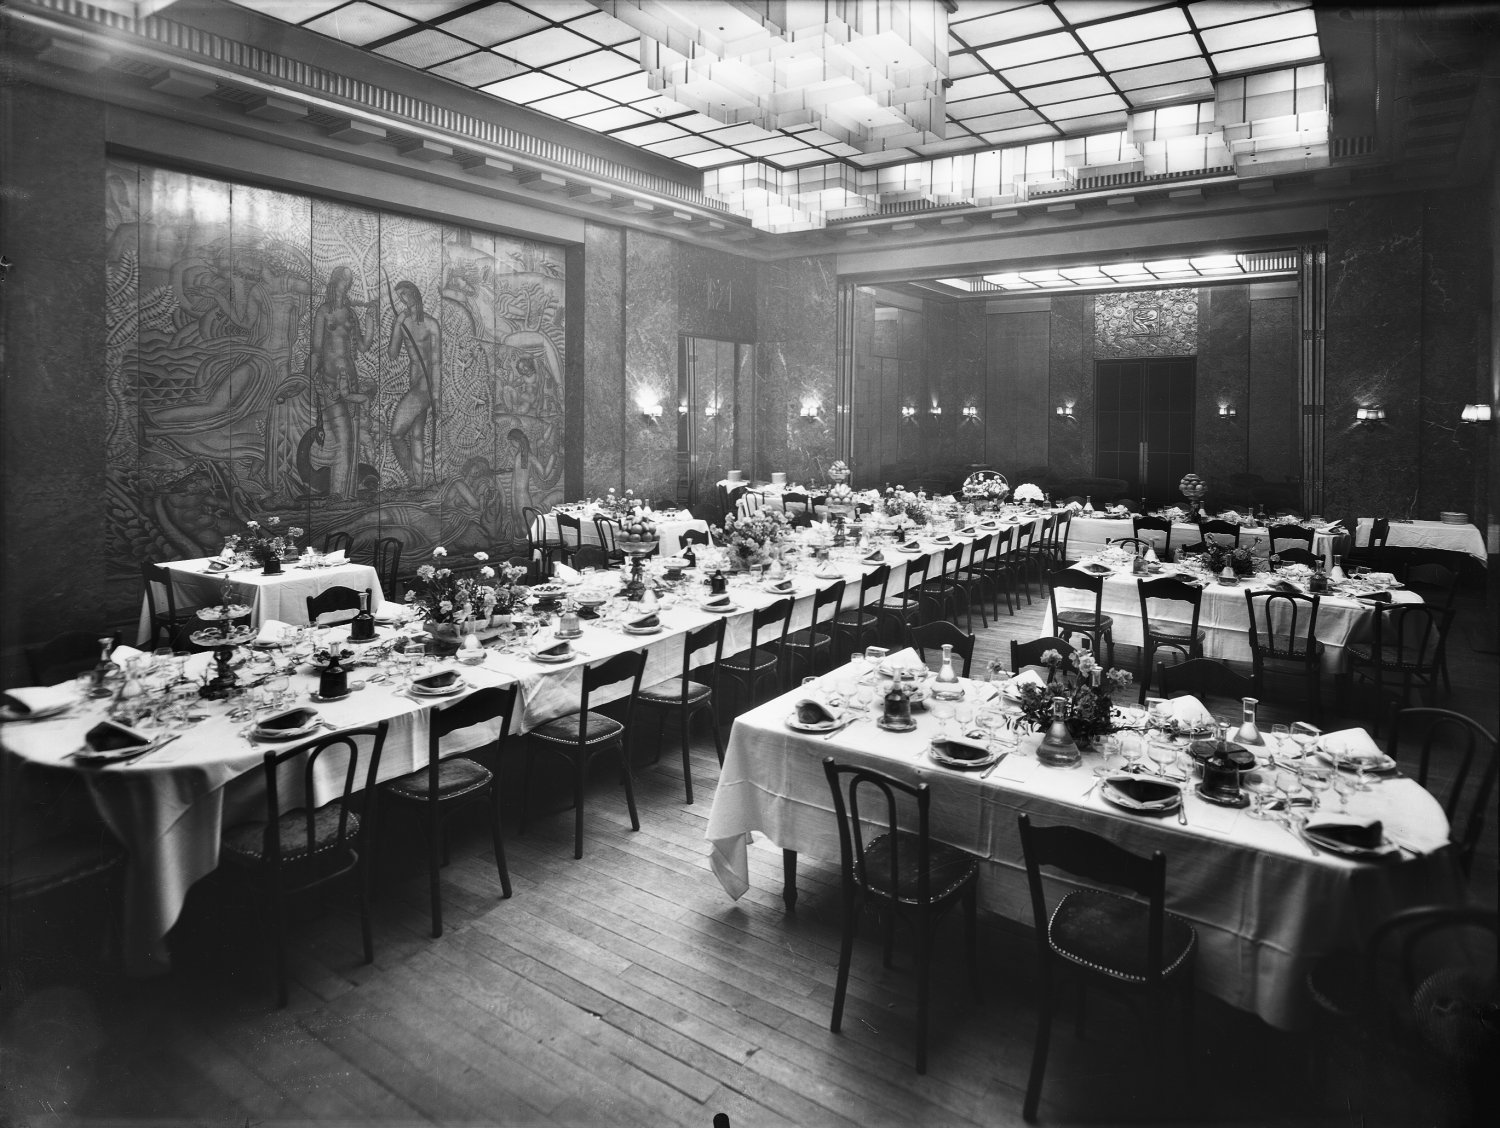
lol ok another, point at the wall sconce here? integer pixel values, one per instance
(1066, 411)
(908, 411)
(811, 408)
(971, 413)
(1227, 411)
(934, 410)
(651, 412)
(1372, 413)
(682, 409)
(1477, 413)
(711, 410)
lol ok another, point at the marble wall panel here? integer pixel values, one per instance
(1223, 378)
(1017, 405)
(651, 361)
(806, 332)
(956, 348)
(1373, 354)
(1070, 442)
(716, 294)
(603, 405)
(1271, 415)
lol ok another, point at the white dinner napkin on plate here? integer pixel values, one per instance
(1012, 688)
(903, 659)
(273, 632)
(565, 574)
(338, 556)
(39, 700)
(1188, 710)
(1352, 744)
(123, 653)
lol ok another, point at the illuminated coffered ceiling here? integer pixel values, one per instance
(799, 83)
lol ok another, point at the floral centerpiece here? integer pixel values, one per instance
(266, 543)
(618, 506)
(1087, 689)
(905, 507)
(1217, 556)
(1029, 493)
(750, 540)
(507, 594)
(440, 595)
(991, 491)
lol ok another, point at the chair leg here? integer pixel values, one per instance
(635, 821)
(434, 860)
(580, 773)
(713, 716)
(1039, 1049)
(366, 935)
(971, 938)
(846, 954)
(687, 767)
(526, 791)
(500, 866)
(924, 988)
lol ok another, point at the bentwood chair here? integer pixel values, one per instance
(901, 870)
(974, 575)
(1003, 569)
(946, 590)
(1023, 654)
(903, 610)
(1173, 634)
(579, 737)
(1094, 625)
(1037, 551)
(859, 626)
(1106, 938)
(1062, 532)
(446, 784)
(1132, 544)
(387, 561)
(1407, 645)
(331, 602)
(1203, 678)
(762, 660)
(1221, 532)
(812, 646)
(161, 606)
(1466, 754)
(606, 527)
(295, 851)
(933, 636)
(538, 547)
(1291, 535)
(686, 694)
(1283, 630)
(1147, 524)
(569, 536)
(1294, 555)
(1373, 554)
(336, 542)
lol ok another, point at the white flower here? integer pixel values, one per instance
(483, 556)
(487, 572)
(273, 520)
(252, 524)
(440, 551)
(446, 605)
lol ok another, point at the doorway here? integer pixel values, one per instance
(1145, 410)
(710, 374)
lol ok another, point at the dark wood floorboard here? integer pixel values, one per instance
(626, 989)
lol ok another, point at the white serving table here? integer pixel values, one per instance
(282, 596)
(1430, 534)
(1264, 907)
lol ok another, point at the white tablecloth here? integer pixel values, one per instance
(1089, 534)
(669, 529)
(1223, 618)
(1430, 534)
(283, 596)
(1264, 907)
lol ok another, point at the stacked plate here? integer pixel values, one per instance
(1454, 518)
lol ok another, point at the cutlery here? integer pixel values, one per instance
(998, 761)
(1182, 809)
(1089, 790)
(155, 746)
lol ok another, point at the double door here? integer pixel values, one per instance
(1144, 411)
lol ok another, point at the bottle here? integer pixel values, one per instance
(898, 705)
(1319, 582)
(945, 684)
(1138, 565)
(362, 628)
(690, 556)
(1088, 505)
(1338, 569)
(334, 680)
(1248, 732)
(717, 584)
(103, 668)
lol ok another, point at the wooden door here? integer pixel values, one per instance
(1144, 410)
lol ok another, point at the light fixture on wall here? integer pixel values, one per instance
(1369, 413)
(934, 410)
(971, 413)
(1066, 410)
(651, 412)
(908, 411)
(711, 410)
(1477, 413)
(682, 409)
(1227, 411)
(811, 408)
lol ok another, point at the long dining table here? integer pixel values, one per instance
(1265, 905)
(170, 808)
(1090, 534)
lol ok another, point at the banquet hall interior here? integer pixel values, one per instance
(637, 294)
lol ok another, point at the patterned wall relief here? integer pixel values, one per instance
(1146, 323)
(344, 368)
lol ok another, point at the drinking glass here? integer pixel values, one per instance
(1187, 765)
(942, 712)
(1261, 784)
(1133, 749)
(1316, 781)
(279, 686)
(876, 654)
(1163, 752)
(1305, 736)
(1288, 784)
(1344, 785)
(863, 696)
(1282, 735)
(964, 714)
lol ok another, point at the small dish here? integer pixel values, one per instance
(315, 696)
(895, 725)
(719, 609)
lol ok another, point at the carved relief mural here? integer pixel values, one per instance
(347, 369)
(1146, 323)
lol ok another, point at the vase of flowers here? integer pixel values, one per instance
(264, 542)
(446, 599)
(1029, 493)
(905, 507)
(750, 541)
(988, 490)
(1079, 693)
(1217, 557)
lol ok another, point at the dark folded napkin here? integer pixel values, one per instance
(780, 586)
(440, 680)
(1364, 836)
(874, 557)
(556, 650)
(218, 565)
(288, 721)
(810, 712)
(718, 601)
(1141, 789)
(912, 546)
(107, 736)
(646, 622)
(1376, 596)
(972, 745)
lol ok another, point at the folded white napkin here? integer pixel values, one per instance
(39, 698)
(122, 654)
(391, 613)
(1188, 710)
(338, 556)
(564, 574)
(781, 586)
(1352, 744)
(273, 632)
(197, 666)
(829, 571)
(904, 658)
(1012, 688)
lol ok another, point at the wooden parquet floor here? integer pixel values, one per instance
(626, 989)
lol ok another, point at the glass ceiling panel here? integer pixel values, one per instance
(580, 60)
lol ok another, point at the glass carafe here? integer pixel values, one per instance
(945, 684)
(1248, 733)
(1058, 748)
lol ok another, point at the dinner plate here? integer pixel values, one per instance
(1124, 802)
(1346, 850)
(822, 726)
(1351, 763)
(644, 630)
(554, 659)
(895, 726)
(548, 591)
(725, 609)
(283, 734)
(940, 757)
(440, 691)
(9, 714)
(910, 551)
(777, 589)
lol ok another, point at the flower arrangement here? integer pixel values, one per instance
(263, 542)
(1216, 556)
(749, 539)
(507, 595)
(441, 596)
(618, 506)
(1087, 688)
(905, 506)
(993, 490)
(1029, 493)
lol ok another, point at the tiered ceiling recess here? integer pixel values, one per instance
(806, 113)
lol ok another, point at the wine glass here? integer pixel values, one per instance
(1305, 736)
(942, 712)
(1316, 781)
(1109, 748)
(279, 686)
(1344, 785)
(963, 713)
(1281, 734)
(1188, 765)
(1133, 750)
(1261, 784)
(1162, 752)
(1288, 784)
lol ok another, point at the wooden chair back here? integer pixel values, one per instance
(934, 635)
(334, 599)
(1468, 750)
